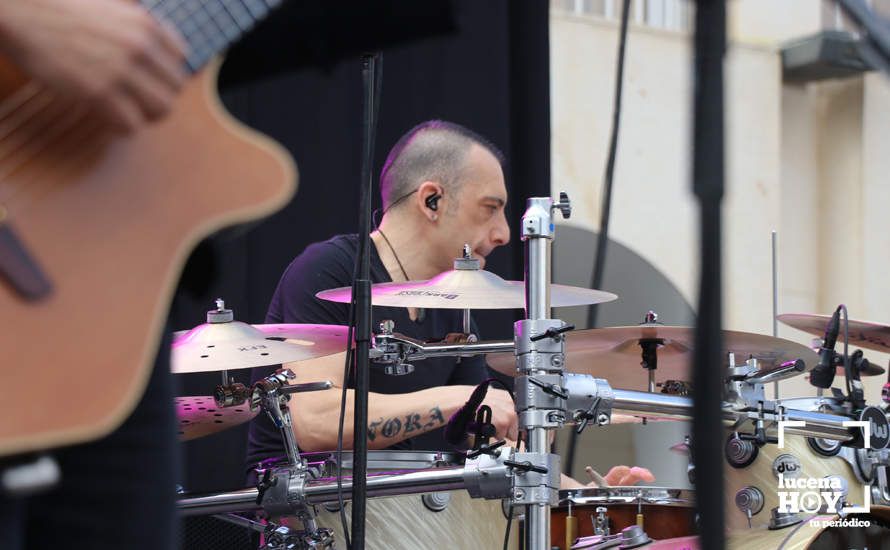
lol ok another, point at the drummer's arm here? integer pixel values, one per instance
(391, 417)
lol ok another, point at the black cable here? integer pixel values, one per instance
(509, 525)
(606, 204)
(847, 367)
(602, 239)
(346, 374)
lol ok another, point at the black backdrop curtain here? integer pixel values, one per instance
(486, 67)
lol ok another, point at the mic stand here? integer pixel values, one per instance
(540, 356)
(708, 177)
(361, 293)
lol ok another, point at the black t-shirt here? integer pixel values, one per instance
(330, 264)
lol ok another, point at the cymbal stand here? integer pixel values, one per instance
(540, 356)
(649, 350)
(272, 394)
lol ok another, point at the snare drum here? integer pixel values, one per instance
(667, 513)
(449, 519)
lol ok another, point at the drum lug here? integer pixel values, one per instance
(781, 520)
(881, 488)
(436, 502)
(601, 521)
(740, 453)
(749, 501)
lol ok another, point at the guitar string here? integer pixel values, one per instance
(11, 126)
(19, 148)
(14, 119)
(25, 113)
(77, 150)
(29, 178)
(13, 186)
(23, 94)
(59, 128)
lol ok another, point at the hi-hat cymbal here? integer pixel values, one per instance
(863, 334)
(198, 415)
(466, 289)
(614, 353)
(236, 345)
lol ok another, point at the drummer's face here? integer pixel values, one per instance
(478, 218)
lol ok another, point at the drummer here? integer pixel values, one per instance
(442, 186)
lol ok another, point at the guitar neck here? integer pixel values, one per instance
(210, 26)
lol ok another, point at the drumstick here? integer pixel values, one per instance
(596, 477)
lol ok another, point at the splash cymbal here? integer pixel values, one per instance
(236, 345)
(864, 334)
(198, 415)
(466, 289)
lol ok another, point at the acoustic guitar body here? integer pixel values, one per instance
(109, 221)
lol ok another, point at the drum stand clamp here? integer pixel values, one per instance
(281, 489)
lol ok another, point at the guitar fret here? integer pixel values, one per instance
(239, 14)
(256, 8)
(209, 26)
(222, 19)
(208, 32)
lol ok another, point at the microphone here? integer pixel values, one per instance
(456, 429)
(822, 374)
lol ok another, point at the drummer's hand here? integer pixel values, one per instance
(624, 475)
(503, 414)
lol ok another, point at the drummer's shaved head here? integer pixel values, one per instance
(435, 150)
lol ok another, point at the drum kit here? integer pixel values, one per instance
(776, 450)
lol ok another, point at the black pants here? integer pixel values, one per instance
(117, 492)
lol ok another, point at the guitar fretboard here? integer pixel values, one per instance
(210, 26)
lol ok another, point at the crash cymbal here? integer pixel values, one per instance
(614, 353)
(236, 345)
(466, 289)
(198, 415)
(863, 334)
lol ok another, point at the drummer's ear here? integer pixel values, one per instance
(428, 195)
